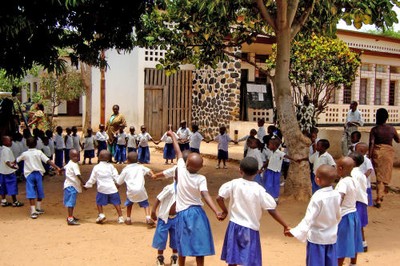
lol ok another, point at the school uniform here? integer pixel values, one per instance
(261, 133)
(361, 197)
(272, 175)
(69, 144)
(349, 238)
(72, 184)
(8, 179)
(223, 143)
(319, 227)
(120, 148)
(169, 152)
(242, 238)
(76, 144)
(367, 165)
(193, 231)
(59, 150)
(105, 175)
(143, 149)
(256, 154)
(195, 140)
(52, 147)
(170, 172)
(17, 148)
(88, 147)
(317, 159)
(132, 144)
(101, 138)
(183, 135)
(47, 152)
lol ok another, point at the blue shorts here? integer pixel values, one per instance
(241, 246)
(70, 194)
(59, 157)
(88, 154)
(130, 149)
(184, 146)
(142, 204)
(8, 184)
(222, 155)
(34, 186)
(104, 199)
(161, 234)
(101, 145)
(349, 238)
(318, 255)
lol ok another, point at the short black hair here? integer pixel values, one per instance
(31, 142)
(249, 166)
(381, 116)
(325, 143)
(357, 157)
(357, 134)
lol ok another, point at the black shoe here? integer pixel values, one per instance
(72, 222)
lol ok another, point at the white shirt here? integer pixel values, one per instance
(168, 139)
(361, 186)
(223, 141)
(16, 148)
(132, 140)
(320, 224)
(59, 142)
(170, 172)
(51, 145)
(266, 153)
(143, 139)
(347, 186)
(355, 117)
(69, 144)
(367, 165)
(183, 133)
(318, 160)
(133, 175)
(247, 201)
(195, 140)
(261, 133)
(6, 155)
(105, 175)
(256, 154)
(189, 187)
(46, 150)
(121, 138)
(101, 136)
(71, 173)
(167, 199)
(39, 144)
(76, 140)
(88, 143)
(275, 159)
(33, 159)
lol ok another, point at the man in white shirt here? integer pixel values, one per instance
(353, 121)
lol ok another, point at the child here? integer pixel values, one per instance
(195, 139)
(223, 140)
(26, 133)
(252, 133)
(105, 175)
(165, 224)
(169, 153)
(183, 136)
(133, 175)
(191, 187)
(143, 150)
(247, 201)
(73, 185)
(253, 151)
(33, 171)
(355, 138)
(8, 179)
(132, 140)
(320, 157)
(47, 152)
(261, 129)
(59, 147)
(49, 135)
(349, 238)
(76, 141)
(320, 224)
(120, 148)
(69, 144)
(101, 138)
(17, 148)
(88, 146)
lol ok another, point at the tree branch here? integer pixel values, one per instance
(265, 14)
(292, 10)
(296, 25)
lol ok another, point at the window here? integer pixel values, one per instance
(378, 92)
(363, 91)
(347, 95)
(365, 67)
(380, 68)
(261, 58)
(392, 92)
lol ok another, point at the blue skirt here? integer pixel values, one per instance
(321, 255)
(120, 153)
(102, 145)
(349, 237)
(59, 158)
(272, 183)
(88, 154)
(193, 233)
(169, 152)
(369, 193)
(258, 178)
(314, 186)
(144, 154)
(241, 246)
(184, 146)
(222, 155)
(362, 213)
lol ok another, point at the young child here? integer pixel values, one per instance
(191, 188)
(33, 172)
(355, 138)
(17, 148)
(88, 146)
(132, 140)
(101, 138)
(247, 201)
(105, 174)
(319, 225)
(143, 149)
(166, 222)
(349, 237)
(195, 139)
(49, 135)
(69, 144)
(253, 151)
(73, 185)
(183, 136)
(120, 148)
(134, 177)
(253, 134)
(261, 129)
(47, 152)
(223, 140)
(59, 147)
(26, 133)
(76, 141)
(169, 153)
(8, 179)
(320, 157)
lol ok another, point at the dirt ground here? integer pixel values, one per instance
(49, 241)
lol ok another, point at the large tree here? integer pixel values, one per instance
(202, 31)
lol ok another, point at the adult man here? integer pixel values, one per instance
(305, 115)
(353, 121)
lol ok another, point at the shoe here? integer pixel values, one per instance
(121, 220)
(282, 184)
(76, 219)
(217, 167)
(5, 204)
(72, 222)
(225, 167)
(174, 260)
(17, 204)
(150, 222)
(39, 211)
(128, 222)
(34, 215)
(100, 219)
(160, 261)
(365, 246)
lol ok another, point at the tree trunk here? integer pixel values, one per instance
(298, 183)
(87, 81)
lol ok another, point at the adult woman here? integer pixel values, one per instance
(381, 153)
(38, 118)
(112, 127)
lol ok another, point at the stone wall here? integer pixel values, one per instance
(216, 97)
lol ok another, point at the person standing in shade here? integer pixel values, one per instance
(353, 121)
(112, 127)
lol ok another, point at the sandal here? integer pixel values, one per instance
(377, 204)
(17, 204)
(5, 204)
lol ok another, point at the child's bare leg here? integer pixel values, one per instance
(200, 261)
(70, 211)
(119, 211)
(232, 264)
(354, 260)
(100, 209)
(172, 161)
(147, 211)
(224, 162)
(340, 261)
(160, 252)
(181, 261)
(129, 211)
(362, 232)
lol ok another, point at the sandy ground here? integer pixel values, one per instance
(49, 241)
